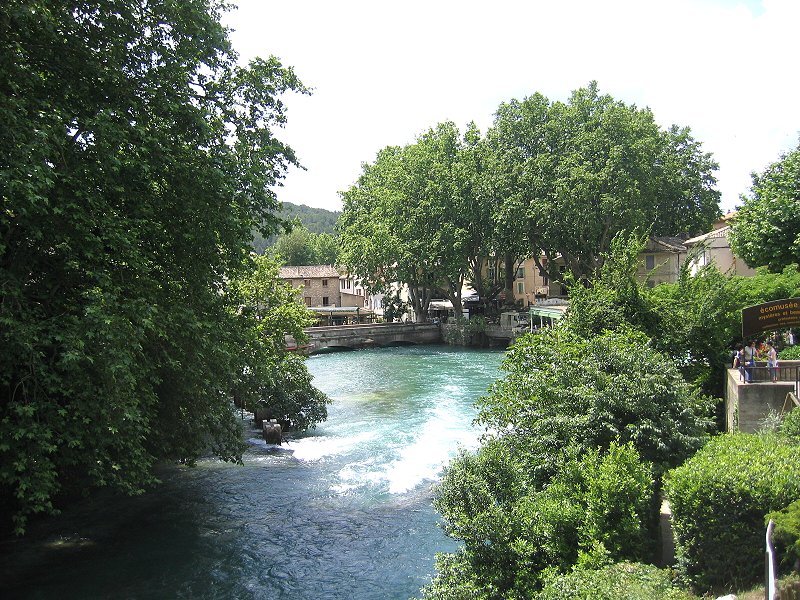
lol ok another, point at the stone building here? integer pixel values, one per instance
(320, 283)
(323, 285)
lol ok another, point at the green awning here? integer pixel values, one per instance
(551, 312)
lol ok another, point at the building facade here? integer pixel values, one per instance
(715, 248)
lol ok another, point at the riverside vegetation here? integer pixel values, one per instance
(137, 157)
(594, 421)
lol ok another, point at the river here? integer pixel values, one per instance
(346, 514)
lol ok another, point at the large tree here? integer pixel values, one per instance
(577, 173)
(135, 159)
(766, 231)
(421, 215)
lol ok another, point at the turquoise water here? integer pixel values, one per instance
(345, 514)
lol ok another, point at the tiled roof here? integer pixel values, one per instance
(670, 242)
(308, 272)
(716, 233)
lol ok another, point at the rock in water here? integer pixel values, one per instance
(272, 432)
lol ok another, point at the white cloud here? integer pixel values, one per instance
(384, 72)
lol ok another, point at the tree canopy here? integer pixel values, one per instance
(302, 247)
(766, 231)
(136, 157)
(577, 173)
(421, 215)
(552, 180)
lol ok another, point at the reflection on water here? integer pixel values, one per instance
(345, 514)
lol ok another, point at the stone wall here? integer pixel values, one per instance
(748, 404)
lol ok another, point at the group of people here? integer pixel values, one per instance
(746, 355)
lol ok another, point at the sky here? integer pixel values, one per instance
(385, 72)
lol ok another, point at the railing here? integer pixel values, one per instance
(764, 374)
(770, 572)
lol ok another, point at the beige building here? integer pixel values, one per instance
(322, 285)
(531, 285)
(661, 260)
(714, 247)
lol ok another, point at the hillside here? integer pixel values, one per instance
(316, 220)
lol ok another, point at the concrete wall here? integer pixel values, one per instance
(748, 404)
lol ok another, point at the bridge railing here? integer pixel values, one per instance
(404, 326)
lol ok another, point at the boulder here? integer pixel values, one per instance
(272, 432)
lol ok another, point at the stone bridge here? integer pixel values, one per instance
(368, 336)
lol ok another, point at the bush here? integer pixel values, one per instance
(465, 332)
(563, 389)
(719, 499)
(632, 581)
(790, 353)
(790, 426)
(513, 532)
(787, 533)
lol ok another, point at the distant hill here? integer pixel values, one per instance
(316, 220)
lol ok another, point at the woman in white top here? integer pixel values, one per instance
(772, 361)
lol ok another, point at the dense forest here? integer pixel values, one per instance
(315, 220)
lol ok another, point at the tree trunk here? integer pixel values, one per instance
(509, 272)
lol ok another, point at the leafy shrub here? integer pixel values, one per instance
(564, 389)
(790, 426)
(790, 353)
(632, 581)
(464, 332)
(513, 532)
(719, 498)
(787, 532)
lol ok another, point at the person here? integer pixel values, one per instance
(772, 361)
(749, 355)
(738, 360)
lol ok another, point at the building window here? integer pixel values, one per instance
(649, 262)
(491, 273)
(324, 283)
(347, 284)
(521, 273)
(307, 300)
(359, 292)
(324, 301)
(520, 287)
(306, 283)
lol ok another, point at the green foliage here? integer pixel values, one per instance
(273, 379)
(456, 580)
(315, 220)
(301, 247)
(577, 173)
(615, 299)
(464, 332)
(393, 306)
(420, 215)
(701, 318)
(719, 499)
(790, 426)
(514, 530)
(136, 158)
(632, 581)
(563, 389)
(767, 226)
(787, 532)
(790, 353)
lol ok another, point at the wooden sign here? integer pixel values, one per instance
(778, 314)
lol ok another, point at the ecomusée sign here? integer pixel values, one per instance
(778, 314)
